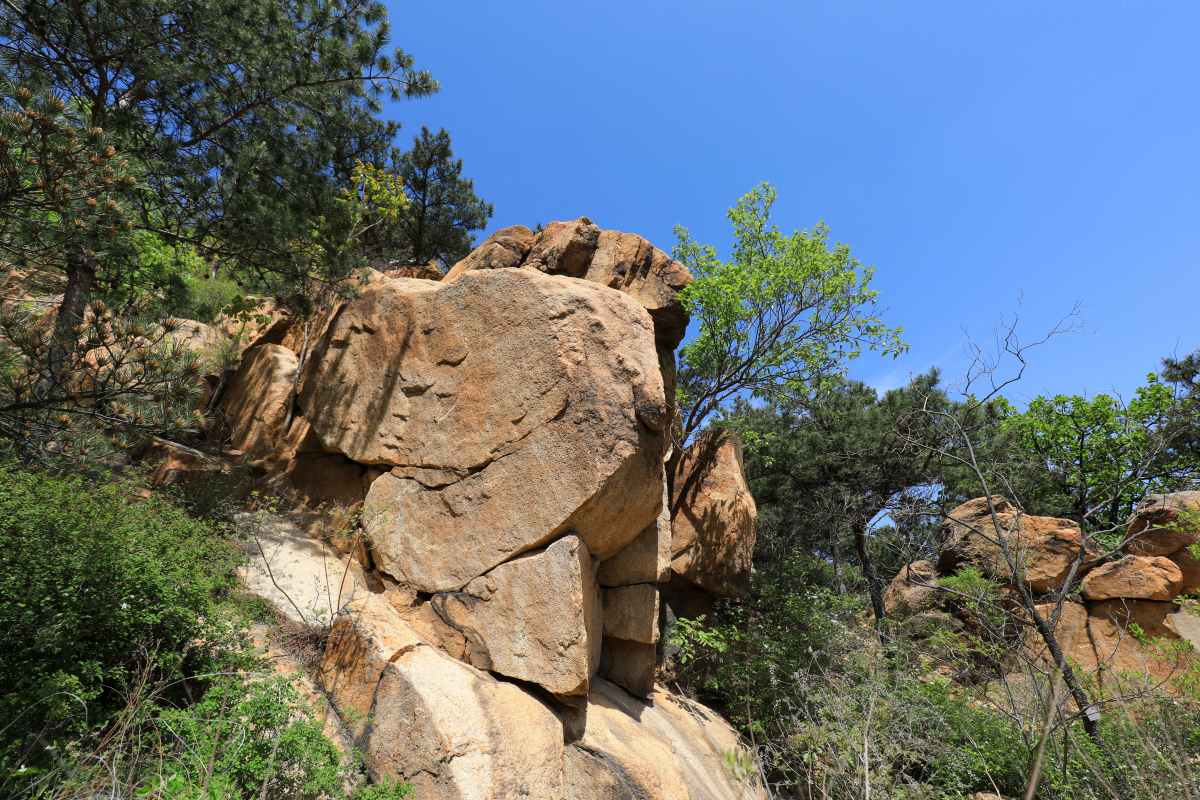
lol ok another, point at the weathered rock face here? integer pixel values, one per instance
(1044, 547)
(1136, 577)
(1162, 526)
(631, 264)
(564, 248)
(476, 402)
(579, 249)
(647, 559)
(713, 517)
(629, 664)
(1189, 570)
(176, 464)
(451, 730)
(536, 618)
(1099, 643)
(631, 612)
(658, 749)
(255, 404)
(506, 248)
(914, 590)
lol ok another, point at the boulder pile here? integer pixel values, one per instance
(497, 441)
(1122, 604)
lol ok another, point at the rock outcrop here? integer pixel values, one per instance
(1164, 524)
(914, 590)
(1134, 577)
(416, 714)
(471, 402)
(536, 618)
(494, 444)
(255, 405)
(1043, 548)
(713, 516)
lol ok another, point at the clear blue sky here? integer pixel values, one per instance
(968, 151)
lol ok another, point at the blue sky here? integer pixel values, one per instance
(968, 151)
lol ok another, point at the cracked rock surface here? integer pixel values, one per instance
(510, 407)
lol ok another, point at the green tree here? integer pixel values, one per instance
(443, 208)
(244, 116)
(781, 315)
(1101, 455)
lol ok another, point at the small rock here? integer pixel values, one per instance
(631, 612)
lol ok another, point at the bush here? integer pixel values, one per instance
(98, 589)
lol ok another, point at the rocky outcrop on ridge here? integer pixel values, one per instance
(1122, 604)
(495, 443)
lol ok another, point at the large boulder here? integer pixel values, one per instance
(1164, 524)
(660, 748)
(511, 406)
(1189, 570)
(1043, 548)
(536, 618)
(631, 264)
(914, 590)
(713, 516)
(629, 664)
(564, 248)
(1135, 577)
(254, 407)
(416, 714)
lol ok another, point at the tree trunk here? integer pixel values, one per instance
(81, 274)
(874, 585)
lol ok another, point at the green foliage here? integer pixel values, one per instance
(62, 183)
(783, 314)
(245, 116)
(1101, 455)
(443, 211)
(253, 733)
(76, 396)
(96, 587)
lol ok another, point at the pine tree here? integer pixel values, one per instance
(443, 208)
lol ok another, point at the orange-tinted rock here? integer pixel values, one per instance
(536, 618)
(418, 715)
(1042, 547)
(629, 664)
(913, 590)
(564, 248)
(1189, 569)
(255, 404)
(647, 559)
(713, 516)
(478, 406)
(1164, 524)
(175, 464)
(631, 613)
(629, 263)
(1134, 577)
(504, 249)
(420, 273)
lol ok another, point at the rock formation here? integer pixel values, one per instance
(495, 445)
(713, 516)
(1122, 607)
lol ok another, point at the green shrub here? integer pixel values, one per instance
(97, 588)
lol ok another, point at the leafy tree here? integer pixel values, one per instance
(443, 208)
(1101, 455)
(781, 315)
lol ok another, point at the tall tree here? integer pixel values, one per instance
(242, 115)
(443, 208)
